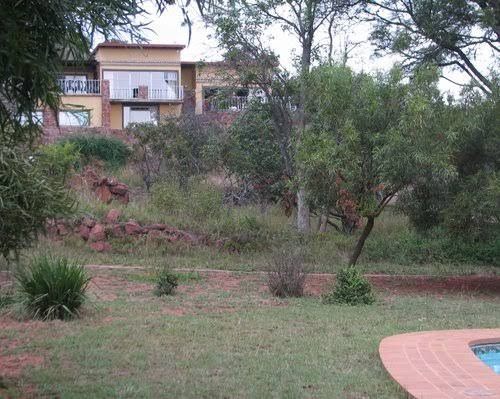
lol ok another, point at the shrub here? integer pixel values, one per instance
(166, 282)
(52, 288)
(27, 200)
(351, 288)
(174, 148)
(57, 160)
(287, 275)
(114, 152)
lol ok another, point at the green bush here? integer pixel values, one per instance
(166, 282)
(27, 200)
(52, 288)
(351, 288)
(199, 201)
(57, 160)
(114, 152)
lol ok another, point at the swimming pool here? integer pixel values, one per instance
(489, 354)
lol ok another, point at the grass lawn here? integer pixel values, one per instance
(222, 338)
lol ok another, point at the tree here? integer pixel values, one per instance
(447, 33)
(173, 148)
(36, 37)
(376, 135)
(240, 28)
(467, 205)
(250, 152)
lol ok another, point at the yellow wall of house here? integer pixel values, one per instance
(188, 76)
(90, 103)
(116, 116)
(211, 75)
(138, 55)
(169, 110)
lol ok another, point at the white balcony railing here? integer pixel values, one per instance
(236, 103)
(80, 87)
(174, 93)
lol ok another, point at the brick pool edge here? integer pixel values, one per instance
(441, 364)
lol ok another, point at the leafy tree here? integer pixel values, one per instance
(376, 134)
(250, 153)
(447, 33)
(241, 28)
(467, 204)
(175, 147)
(36, 37)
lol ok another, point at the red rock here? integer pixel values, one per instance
(88, 222)
(100, 246)
(132, 228)
(97, 233)
(156, 226)
(62, 230)
(118, 188)
(113, 216)
(84, 232)
(155, 236)
(104, 194)
(117, 230)
(124, 199)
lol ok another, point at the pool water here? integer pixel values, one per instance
(489, 354)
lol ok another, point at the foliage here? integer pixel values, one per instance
(198, 200)
(447, 33)
(250, 152)
(174, 148)
(37, 38)
(287, 275)
(52, 287)
(111, 150)
(362, 129)
(27, 199)
(465, 204)
(351, 288)
(166, 282)
(58, 160)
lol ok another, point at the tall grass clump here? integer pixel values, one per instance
(52, 288)
(111, 150)
(287, 275)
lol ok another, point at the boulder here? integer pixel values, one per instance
(117, 230)
(89, 222)
(113, 216)
(100, 246)
(119, 189)
(84, 231)
(156, 226)
(133, 228)
(97, 233)
(104, 194)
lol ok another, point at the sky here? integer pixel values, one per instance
(168, 28)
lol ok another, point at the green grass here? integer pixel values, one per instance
(132, 349)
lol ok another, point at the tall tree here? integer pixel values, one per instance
(375, 135)
(457, 34)
(36, 36)
(242, 25)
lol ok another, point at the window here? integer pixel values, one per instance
(125, 84)
(36, 118)
(74, 118)
(139, 115)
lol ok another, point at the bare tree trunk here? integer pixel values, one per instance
(303, 221)
(361, 241)
(323, 222)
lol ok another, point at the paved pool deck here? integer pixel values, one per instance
(440, 364)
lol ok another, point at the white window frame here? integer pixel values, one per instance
(63, 121)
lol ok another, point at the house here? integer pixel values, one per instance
(123, 83)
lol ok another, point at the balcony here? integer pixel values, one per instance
(143, 93)
(80, 87)
(236, 103)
